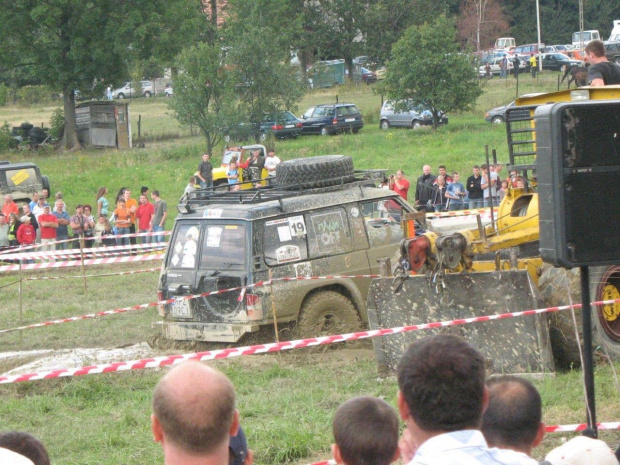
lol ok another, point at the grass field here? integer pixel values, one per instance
(286, 400)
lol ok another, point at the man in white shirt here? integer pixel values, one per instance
(272, 162)
(441, 398)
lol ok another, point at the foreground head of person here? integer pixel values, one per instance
(441, 398)
(366, 432)
(194, 415)
(26, 445)
(513, 417)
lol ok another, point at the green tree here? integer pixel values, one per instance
(69, 44)
(204, 93)
(266, 83)
(426, 68)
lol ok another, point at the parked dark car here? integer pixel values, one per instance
(368, 76)
(282, 125)
(557, 61)
(612, 51)
(498, 115)
(332, 119)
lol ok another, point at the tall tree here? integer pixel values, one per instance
(427, 69)
(480, 23)
(68, 44)
(204, 93)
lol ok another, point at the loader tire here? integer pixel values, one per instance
(327, 313)
(605, 285)
(323, 171)
(554, 285)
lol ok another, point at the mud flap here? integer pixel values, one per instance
(512, 345)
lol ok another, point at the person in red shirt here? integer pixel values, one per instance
(144, 214)
(48, 224)
(399, 184)
(9, 206)
(25, 233)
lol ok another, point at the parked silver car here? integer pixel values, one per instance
(128, 91)
(411, 116)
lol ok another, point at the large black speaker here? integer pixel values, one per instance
(578, 174)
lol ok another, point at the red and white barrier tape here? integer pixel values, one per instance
(93, 251)
(581, 427)
(265, 348)
(169, 301)
(122, 273)
(63, 241)
(480, 211)
(87, 262)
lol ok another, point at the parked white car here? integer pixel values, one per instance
(128, 91)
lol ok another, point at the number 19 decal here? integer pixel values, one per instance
(297, 225)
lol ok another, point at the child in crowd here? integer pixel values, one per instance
(503, 190)
(366, 432)
(233, 176)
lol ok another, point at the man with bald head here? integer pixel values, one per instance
(424, 190)
(194, 415)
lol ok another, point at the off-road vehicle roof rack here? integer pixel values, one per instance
(271, 192)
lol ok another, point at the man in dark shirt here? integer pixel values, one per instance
(424, 189)
(600, 72)
(474, 189)
(205, 172)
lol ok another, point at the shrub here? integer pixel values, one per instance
(7, 141)
(57, 124)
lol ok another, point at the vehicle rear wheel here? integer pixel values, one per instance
(385, 125)
(327, 313)
(415, 124)
(120, 96)
(324, 132)
(355, 130)
(497, 120)
(323, 171)
(147, 94)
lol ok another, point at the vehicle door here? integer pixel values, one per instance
(383, 228)
(403, 114)
(321, 117)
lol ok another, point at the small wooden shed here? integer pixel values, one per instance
(103, 124)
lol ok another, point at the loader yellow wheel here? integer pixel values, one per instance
(605, 285)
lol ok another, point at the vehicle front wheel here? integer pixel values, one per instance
(385, 125)
(605, 285)
(324, 132)
(497, 120)
(327, 313)
(415, 124)
(147, 94)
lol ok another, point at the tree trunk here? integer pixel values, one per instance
(70, 140)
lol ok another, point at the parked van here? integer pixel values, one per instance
(585, 37)
(505, 43)
(615, 32)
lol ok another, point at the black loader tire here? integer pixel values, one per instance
(327, 313)
(323, 171)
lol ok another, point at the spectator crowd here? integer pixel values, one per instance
(106, 222)
(453, 415)
(446, 192)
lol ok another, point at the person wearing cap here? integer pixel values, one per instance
(581, 451)
(194, 416)
(48, 224)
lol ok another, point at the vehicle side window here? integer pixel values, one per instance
(285, 240)
(330, 112)
(184, 247)
(328, 233)
(382, 220)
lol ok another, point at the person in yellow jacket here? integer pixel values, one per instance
(533, 65)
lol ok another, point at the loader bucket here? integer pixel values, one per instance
(511, 345)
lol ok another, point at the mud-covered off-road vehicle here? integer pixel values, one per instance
(319, 219)
(21, 180)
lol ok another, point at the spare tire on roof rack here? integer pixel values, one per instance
(322, 171)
